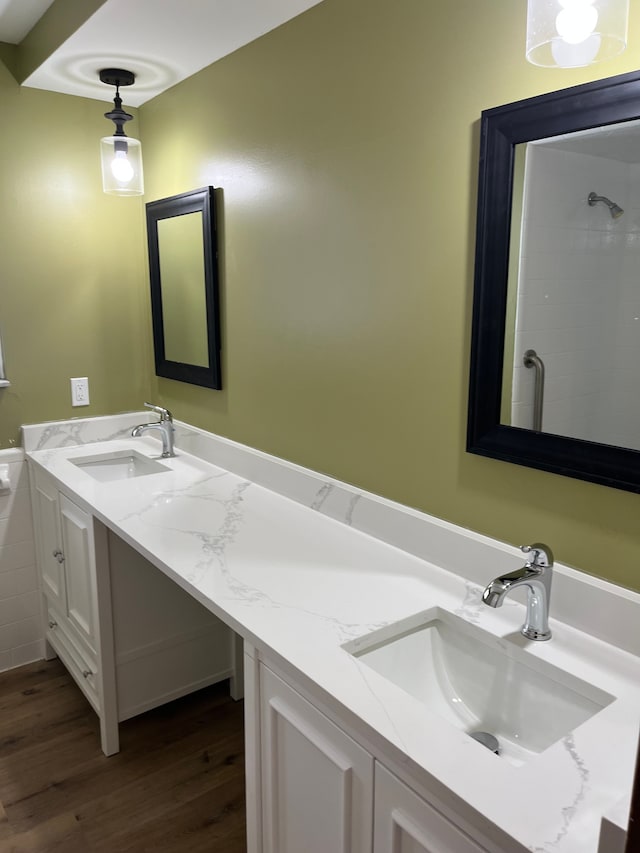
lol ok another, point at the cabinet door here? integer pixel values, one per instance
(317, 783)
(77, 544)
(49, 541)
(405, 823)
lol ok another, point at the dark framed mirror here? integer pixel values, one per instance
(183, 271)
(555, 351)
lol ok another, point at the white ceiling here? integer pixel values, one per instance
(161, 41)
(17, 17)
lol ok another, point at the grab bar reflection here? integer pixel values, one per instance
(532, 359)
(4, 382)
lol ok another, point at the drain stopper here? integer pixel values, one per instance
(488, 740)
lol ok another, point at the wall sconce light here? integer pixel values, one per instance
(121, 155)
(573, 33)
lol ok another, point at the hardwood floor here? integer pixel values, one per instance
(176, 785)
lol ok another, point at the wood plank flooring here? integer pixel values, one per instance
(176, 785)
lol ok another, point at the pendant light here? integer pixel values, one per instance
(121, 155)
(574, 33)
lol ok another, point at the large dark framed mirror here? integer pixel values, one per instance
(555, 352)
(183, 271)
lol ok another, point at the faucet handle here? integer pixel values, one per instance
(542, 555)
(165, 414)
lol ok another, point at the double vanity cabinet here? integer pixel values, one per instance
(154, 581)
(132, 639)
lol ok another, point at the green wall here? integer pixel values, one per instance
(73, 297)
(345, 145)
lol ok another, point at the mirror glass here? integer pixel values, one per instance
(2, 376)
(183, 299)
(572, 335)
(554, 379)
(181, 233)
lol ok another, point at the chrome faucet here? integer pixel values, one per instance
(164, 427)
(536, 575)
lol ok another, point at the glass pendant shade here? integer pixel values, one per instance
(121, 158)
(574, 33)
(120, 155)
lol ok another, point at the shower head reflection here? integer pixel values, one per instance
(614, 209)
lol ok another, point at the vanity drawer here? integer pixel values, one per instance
(72, 634)
(81, 665)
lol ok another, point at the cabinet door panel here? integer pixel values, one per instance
(49, 541)
(78, 555)
(405, 823)
(317, 783)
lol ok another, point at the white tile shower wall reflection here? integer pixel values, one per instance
(21, 639)
(579, 297)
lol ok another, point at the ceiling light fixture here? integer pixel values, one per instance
(121, 155)
(574, 33)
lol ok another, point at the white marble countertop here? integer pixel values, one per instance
(298, 584)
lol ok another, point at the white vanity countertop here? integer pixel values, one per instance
(299, 584)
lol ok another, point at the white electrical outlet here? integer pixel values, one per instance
(80, 391)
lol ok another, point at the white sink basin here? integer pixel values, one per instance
(119, 465)
(480, 683)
